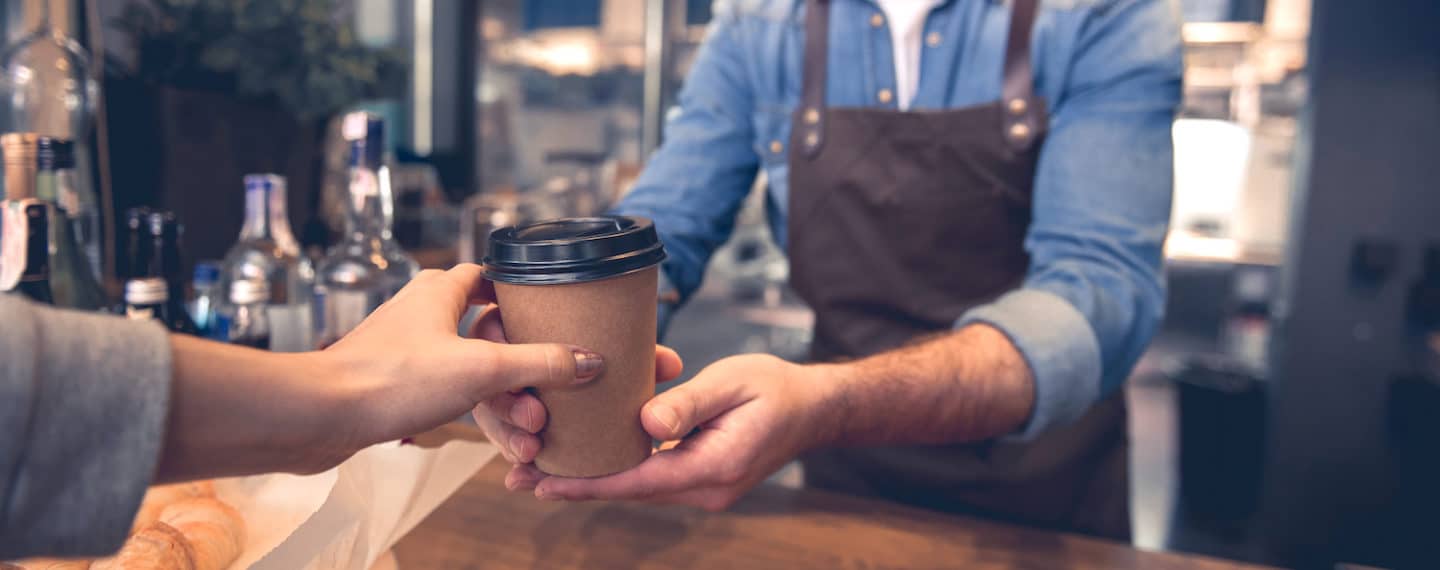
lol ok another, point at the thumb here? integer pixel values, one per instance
(515, 366)
(675, 413)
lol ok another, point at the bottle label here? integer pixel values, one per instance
(291, 329)
(16, 229)
(341, 311)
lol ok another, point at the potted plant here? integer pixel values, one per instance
(226, 87)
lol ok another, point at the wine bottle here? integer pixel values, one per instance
(30, 172)
(152, 247)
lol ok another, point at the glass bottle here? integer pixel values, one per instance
(74, 265)
(149, 298)
(153, 244)
(25, 267)
(46, 85)
(32, 173)
(59, 182)
(367, 266)
(246, 318)
(267, 250)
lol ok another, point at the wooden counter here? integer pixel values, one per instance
(484, 526)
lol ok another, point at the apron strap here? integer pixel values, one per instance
(1022, 111)
(812, 94)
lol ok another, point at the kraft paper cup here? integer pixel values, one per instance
(591, 283)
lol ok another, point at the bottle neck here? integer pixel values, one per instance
(369, 206)
(39, 16)
(266, 218)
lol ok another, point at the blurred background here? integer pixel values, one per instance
(1288, 413)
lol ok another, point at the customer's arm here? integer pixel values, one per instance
(93, 408)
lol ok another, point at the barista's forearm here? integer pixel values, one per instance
(967, 385)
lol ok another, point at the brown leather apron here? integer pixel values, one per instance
(901, 221)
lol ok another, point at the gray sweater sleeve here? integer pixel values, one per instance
(83, 405)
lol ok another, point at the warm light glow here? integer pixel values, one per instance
(558, 51)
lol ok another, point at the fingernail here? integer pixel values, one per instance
(666, 415)
(520, 416)
(517, 446)
(545, 495)
(587, 364)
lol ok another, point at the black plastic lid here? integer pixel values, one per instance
(572, 250)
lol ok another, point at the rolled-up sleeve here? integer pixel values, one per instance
(1094, 293)
(697, 180)
(83, 406)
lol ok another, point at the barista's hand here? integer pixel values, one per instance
(738, 421)
(511, 419)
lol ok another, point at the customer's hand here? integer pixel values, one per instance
(512, 419)
(738, 421)
(412, 372)
(403, 371)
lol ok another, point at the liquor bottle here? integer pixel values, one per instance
(246, 317)
(135, 256)
(149, 298)
(25, 267)
(267, 251)
(58, 181)
(30, 172)
(153, 248)
(45, 82)
(74, 265)
(367, 266)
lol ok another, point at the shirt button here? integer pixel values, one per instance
(885, 96)
(876, 20)
(933, 39)
(1018, 106)
(1019, 131)
(812, 116)
(776, 147)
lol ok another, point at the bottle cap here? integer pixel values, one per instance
(249, 291)
(146, 291)
(572, 250)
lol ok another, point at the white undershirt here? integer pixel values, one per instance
(907, 26)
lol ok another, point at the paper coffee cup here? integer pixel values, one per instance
(587, 282)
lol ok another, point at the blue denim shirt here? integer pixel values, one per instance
(1110, 71)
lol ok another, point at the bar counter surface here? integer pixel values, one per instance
(485, 526)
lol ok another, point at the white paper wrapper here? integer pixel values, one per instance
(348, 517)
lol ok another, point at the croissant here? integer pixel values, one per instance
(158, 546)
(215, 530)
(161, 496)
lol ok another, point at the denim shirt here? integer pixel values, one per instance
(1110, 72)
